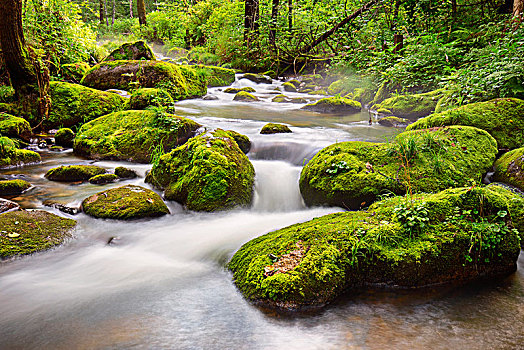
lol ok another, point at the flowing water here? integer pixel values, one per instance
(162, 283)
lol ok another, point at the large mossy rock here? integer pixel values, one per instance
(257, 78)
(131, 51)
(125, 203)
(73, 173)
(244, 96)
(73, 72)
(458, 235)
(352, 174)
(509, 168)
(335, 105)
(217, 76)
(503, 118)
(10, 155)
(73, 104)
(13, 187)
(410, 106)
(64, 137)
(143, 98)
(208, 173)
(132, 135)
(180, 81)
(26, 232)
(273, 128)
(16, 127)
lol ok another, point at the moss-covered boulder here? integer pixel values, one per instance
(237, 90)
(515, 199)
(103, 179)
(138, 50)
(503, 118)
(125, 173)
(335, 105)
(243, 142)
(362, 95)
(257, 78)
(25, 232)
(73, 72)
(457, 235)
(208, 173)
(510, 168)
(289, 87)
(410, 106)
(285, 99)
(393, 122)
(273, 128)
(143, 98)
(73, 104)
(296, 83)
(217, 76)
(125, 203)
(16, 127)
(13, 187)
(244, 96)
(352, 174)
(64, 137)
(73, 173)
(132, 135)
(10, 155)
(180, 81)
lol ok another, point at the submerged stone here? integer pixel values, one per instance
(25, 232)
(73, 173)
(133, 136)
(399, 242)
(125, 203)
(208, 173)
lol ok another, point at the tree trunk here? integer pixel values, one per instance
(454, 10)
(105, 13)
(29, 77)
(398, 41)
(141, 9)
(273, 24)
(102, 11)
(131, 8)
(114, 13)
(290, 15)
(251, 15)
(518, 7)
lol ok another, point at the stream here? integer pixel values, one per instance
(162, 284)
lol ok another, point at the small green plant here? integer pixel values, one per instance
(337, 168)
(412, 217)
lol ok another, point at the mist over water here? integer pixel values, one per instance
(163, 284)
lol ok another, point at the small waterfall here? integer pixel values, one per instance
(276, 187)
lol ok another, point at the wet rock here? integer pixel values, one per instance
(103, 179)
(334, 105)
(10, 155)
(509, 168)
(244, 96)
(16, 127)
(7, 205)
(289, 87)
(410, 106)
(210, 98)
(257, 78)
(13, 187)
(64, 137)
(25, 232)
(237, 90)
(124, 203)
(242, 141)
(273, 128)
(131, 51)
(62, 207)
(393, 122)
(73, 173)
(125, 173)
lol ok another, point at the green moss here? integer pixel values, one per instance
(217, 76)
(509, 168)
(515, 200)
(467, 235)
(242, 141)
(503, 118)
(74, 72)
(237, 90)
(14, 127)
(103, 179)
(337, 105)
(353, 174)
(125, 203)
(10, 155)
(179, 80)
(393, 122)
(208, 173)
(362, 95)
(289, 87)
(131, 51)
(245, 96)
(143, 98)
(26, 232)
(125, 173)
(13, 187)
(71, 173)
(410, 106)
(72, 105)
(64, 137)
(257, 78)
(272, 128)
(132, 135)
(280, 99)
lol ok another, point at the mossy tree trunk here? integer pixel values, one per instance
(141, 9)
(29, 76)
(102, 11)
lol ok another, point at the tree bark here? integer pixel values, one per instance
(454, 10)
(251, 15)
(518, 7)
(102, 11)
(131, 8)
(290, 15)
(398, 41)
(273, 25)
(105, 13)
(141, 9)
(114, 14)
